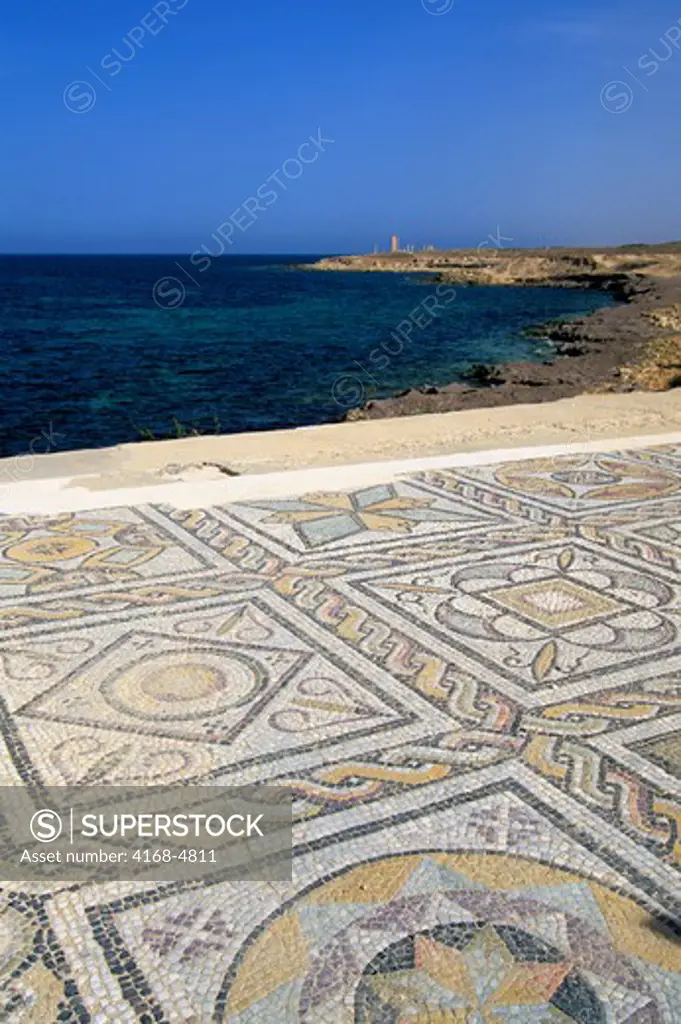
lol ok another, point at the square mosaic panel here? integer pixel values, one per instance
(38, 556)
(548, 615)
(337, 522)
(570, 485)
(219, 690)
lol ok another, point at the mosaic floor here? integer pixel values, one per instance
(471, 681)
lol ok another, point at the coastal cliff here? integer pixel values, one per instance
(632, 345)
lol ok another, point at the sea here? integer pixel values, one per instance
(99, 350)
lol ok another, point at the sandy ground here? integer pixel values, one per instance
(238, 466)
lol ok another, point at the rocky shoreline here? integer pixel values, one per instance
(632, 345)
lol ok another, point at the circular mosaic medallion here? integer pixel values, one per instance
(466, 939)
(51, 549)
(165, 687)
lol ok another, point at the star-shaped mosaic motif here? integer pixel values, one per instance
(321, 518)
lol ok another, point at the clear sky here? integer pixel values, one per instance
(447, 127)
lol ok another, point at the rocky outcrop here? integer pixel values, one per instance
(612, 269)
(631, 345)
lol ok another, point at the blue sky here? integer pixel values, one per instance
(447, 127)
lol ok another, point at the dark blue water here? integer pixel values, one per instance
(254, 345)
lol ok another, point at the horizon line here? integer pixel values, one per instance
(328, 253)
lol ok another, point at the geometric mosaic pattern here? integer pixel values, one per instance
(471, 680)
(441, 943)
(546, 615)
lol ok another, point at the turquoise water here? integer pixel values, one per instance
(254, 344)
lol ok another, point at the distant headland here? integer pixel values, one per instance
(633, 345)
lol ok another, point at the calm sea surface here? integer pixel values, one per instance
(254, 345)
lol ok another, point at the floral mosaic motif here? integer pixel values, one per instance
(588, 480)
(551, 614)
(46, 555)
(320, 519)
(564, 488)
(454, 938)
